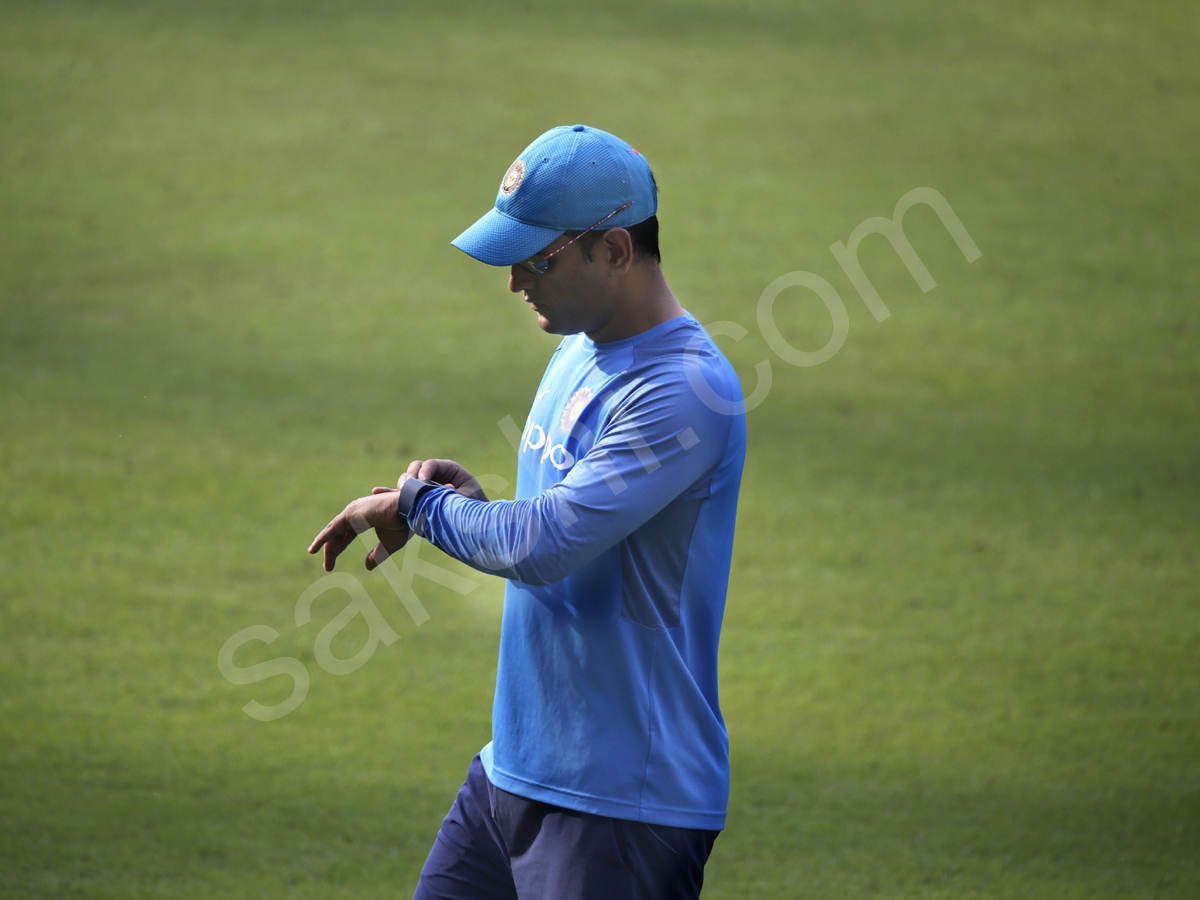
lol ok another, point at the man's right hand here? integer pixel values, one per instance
(447, 472)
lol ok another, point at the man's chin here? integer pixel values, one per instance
(556, 326)
(551, 327)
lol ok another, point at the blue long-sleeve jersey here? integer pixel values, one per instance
(617, 551)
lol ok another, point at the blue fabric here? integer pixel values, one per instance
(500, 240)
(568, 179)
(617, 551)
(494, 845)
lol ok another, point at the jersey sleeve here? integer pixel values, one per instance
(660, 442)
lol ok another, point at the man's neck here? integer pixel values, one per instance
(645, 301)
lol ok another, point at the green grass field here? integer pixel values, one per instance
(961, 656)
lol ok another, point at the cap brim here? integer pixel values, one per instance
(500, 240)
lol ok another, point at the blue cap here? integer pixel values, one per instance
(567, 180)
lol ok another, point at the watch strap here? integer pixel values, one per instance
(410, 491)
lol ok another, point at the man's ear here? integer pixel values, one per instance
(618, 250)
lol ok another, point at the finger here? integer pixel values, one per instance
(389, 542)
(432, 468)
(337, 545)
(327, 532)
(383, 490)
(329, 560)
(377, 555)
(334, 548)
(411, 472)
(341, 524)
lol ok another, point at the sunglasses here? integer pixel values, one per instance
(542, 266)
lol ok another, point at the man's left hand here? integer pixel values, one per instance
(379, 511)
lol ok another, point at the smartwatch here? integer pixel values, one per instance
(409, 493)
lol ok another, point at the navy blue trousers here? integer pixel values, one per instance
(494, 845)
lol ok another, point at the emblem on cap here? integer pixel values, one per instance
(574, 407)
(512, 178)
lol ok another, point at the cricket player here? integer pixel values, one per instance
(607, 775)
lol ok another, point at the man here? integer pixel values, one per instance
(608, 774)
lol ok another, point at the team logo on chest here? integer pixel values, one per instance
(574, 407)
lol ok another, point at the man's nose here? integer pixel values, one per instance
(519, 278)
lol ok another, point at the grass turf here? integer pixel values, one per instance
(960, 653)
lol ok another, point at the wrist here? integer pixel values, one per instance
(407, 496)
